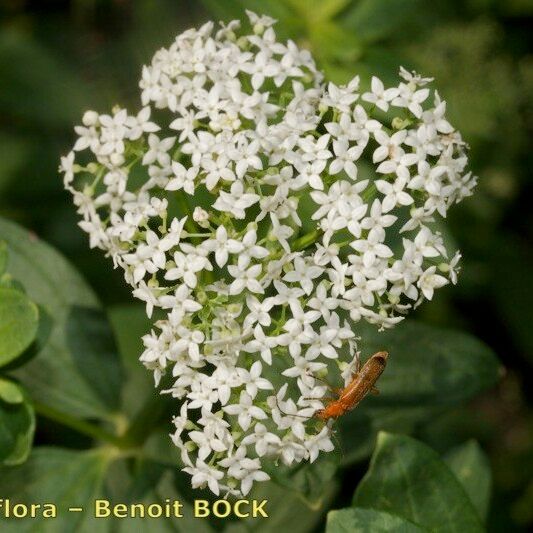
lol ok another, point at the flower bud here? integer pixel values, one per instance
(201, 216)
(242, 43)
(90, 118)
(116, 159)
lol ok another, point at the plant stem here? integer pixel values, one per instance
(307, 240)
(187, 234)
(148, 417)
(184, 207)
(86, 428)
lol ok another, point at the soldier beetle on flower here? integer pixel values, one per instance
(362, 383)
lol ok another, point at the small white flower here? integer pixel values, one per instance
(236, 201)
(261, 344)
(372, 248)
(345, 158)
(429, 281)
(186, 268)
(158, 151)
(222, 246)
(245, 410)
(253, 381)
(379, 95)
(245, 278)
(265, 442)
(203, 474)
(394, 194)
(183, 178)
(250, 249)
(258, 311)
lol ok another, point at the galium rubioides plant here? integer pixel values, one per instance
(264, 213)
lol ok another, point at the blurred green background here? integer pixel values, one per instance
(58, 58)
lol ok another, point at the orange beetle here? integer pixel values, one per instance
(362, 383)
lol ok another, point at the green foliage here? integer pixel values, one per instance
(372, 20)
(428, 364)
(308, 480)
(479, 118)
(54, 377)
(513, 296)
(3, 258)
(429, 369)
(130, 323)
(17, 423)
(18, 324)
(18, 330)
(92, 345)
(408, 487)
(472, 469)
(368, 521)
(67, 478)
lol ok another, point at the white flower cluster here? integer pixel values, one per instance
(265, 212)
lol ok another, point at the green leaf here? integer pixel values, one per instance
(471, 467)
(53, 377)
(429, 369)
(10, 392)
(372, 20)
(63, 477)
(92, 344)
(130, 323)
(368, 521)
(409, 479)
(3, 258)
(359, 428)
(154, 484)
(308, 480)
(41, 338)
(19, 319)
(319, 11)
(430, 365)
(287, 511)
(332, 42)
(17, 424)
